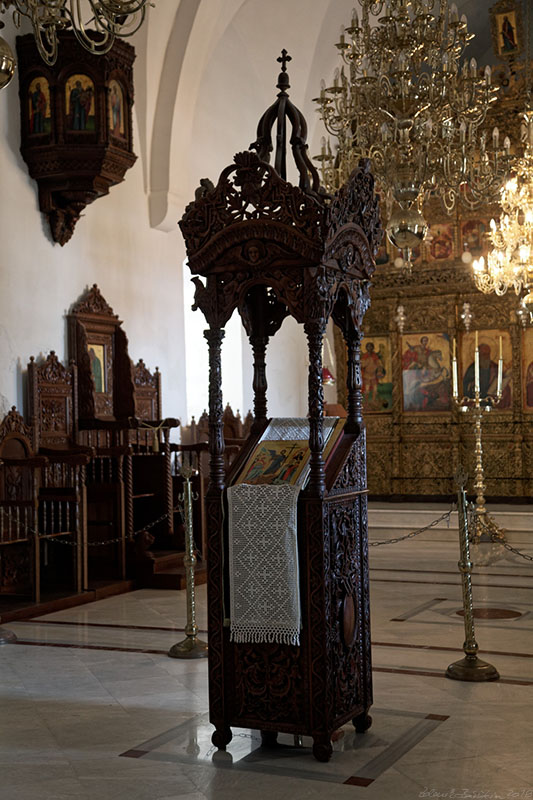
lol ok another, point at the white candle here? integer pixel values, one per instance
(455, 382)
(500, 370)
(476, 366)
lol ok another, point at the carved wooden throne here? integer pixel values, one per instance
(20, 481)
(119, 414)
(271, 249)
(53, 400)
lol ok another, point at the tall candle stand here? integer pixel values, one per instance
(191, 646)
(484, 528)
(469, 668)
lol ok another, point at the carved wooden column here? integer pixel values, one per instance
(214, 338)
(259, 346)
(315, 330)
(215, 554)
(262, 314)
(354, 384)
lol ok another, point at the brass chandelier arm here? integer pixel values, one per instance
(510, 262)
(405, 97)
(95, 23)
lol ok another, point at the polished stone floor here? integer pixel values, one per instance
(91, 706)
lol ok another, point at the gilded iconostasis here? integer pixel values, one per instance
(417, 436)
(419, 335)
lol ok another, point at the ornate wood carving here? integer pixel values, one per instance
(93, 326)
(214, 338)
(257, 243)
(53, 402)
(250, 191)
(147, 388)
(353, 474)
(269, 685)
(76, 124)
(93, 302)
(13, 422)
(348, 634)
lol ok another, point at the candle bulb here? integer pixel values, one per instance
(476, 366)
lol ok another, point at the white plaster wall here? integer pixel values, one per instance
(138, 270)
(237, 84)
(205, 72)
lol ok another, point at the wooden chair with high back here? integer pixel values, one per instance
(98, 347)
(120, 408)
(53, 399)
(151, 467)
(20, 481)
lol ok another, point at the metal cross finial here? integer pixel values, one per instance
(283, 58)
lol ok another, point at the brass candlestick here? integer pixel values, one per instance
(484, 527)
(191, 646)
(469, 668)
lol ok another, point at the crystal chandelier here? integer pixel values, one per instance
(96, 23)
(510, 262)
(405, 99)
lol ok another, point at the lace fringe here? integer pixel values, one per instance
(245, 634)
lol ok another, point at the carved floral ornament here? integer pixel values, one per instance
(13, 423)
(293, 242)
(52, 370)
(142, 375)
(93, 303)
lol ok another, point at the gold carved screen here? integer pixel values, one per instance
(416, 436)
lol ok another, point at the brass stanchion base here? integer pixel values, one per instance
(191, 647)
(472, 668)
(7, 637)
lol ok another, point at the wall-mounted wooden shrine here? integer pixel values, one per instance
(76, 125)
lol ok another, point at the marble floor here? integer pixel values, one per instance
(91, 706)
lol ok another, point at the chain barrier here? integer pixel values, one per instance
(471, 512)
(445, 516)
(513, 550)
(53, 537)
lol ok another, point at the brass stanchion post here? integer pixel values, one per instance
(469, 668)
(191, 646)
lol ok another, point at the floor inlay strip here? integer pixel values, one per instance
(33, 643)
(450, 649)
(448, 583)
(245, 751)
(435, 674)
(37, 621)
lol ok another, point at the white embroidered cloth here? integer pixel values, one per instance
(263, 564)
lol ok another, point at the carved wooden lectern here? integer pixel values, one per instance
(271, 249)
